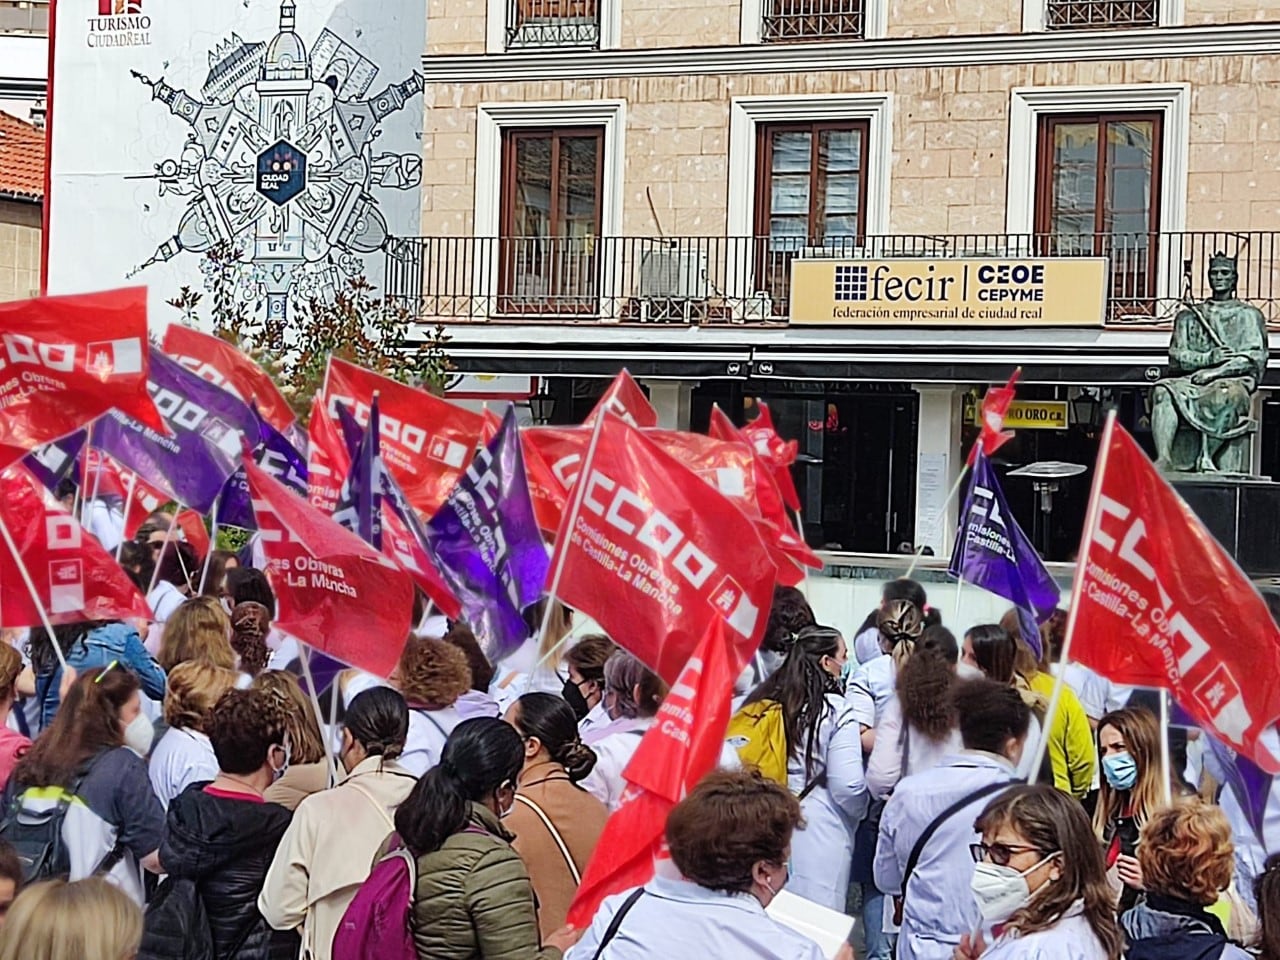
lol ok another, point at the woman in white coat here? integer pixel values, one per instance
(1041, 881)
(729, 840)
(824, 762)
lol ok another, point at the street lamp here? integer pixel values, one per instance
(542, 405)
(1086, 409)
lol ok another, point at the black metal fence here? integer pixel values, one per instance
(702, 280)
(553, 23)
(798, 20)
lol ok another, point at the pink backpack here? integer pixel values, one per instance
(376, 924)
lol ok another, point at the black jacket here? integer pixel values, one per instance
(1164, 928)
(224, 847)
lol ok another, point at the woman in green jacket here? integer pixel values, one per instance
(473, 899)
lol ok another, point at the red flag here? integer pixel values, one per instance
(995, 406)
(100, 475)
(1158, 603)
(777, 453)
(426, 442)
(681, 747)
(333, 591)
(399, 544)
(552, 459)
(75, 578)
(65, 361)
(328, 460)
(221, 363)
(145, 501)
(626, 400)
(192, 526)
(777, 530)
(655, 554)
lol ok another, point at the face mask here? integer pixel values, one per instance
(772, 892)
(139, 734)
(288, 755)
(1000, 891)
(572, 694)
(1121, 771)
(967, 671)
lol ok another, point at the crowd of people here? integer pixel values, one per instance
(180, 791)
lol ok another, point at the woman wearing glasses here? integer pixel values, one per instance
(1040, 881)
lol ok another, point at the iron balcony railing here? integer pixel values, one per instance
(553, 23)
(783, 21)
(705, 280)
(1101, 14)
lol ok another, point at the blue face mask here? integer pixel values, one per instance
(1121, 771)
(846, 670)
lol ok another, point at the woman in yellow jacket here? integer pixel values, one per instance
(1072, 753)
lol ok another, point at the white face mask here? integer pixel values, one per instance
(1000, 891)
(967, 671)
(139, 734)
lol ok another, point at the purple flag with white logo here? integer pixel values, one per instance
(993, 553)
(1250, 784)
(56, 461)
(487, 546)
(208, 427)
(359, 506)
(276, 455)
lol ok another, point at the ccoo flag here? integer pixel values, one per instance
(1158, 603)
(275, 454)
(993, 553)
(486, 544)
(207, 427)
(654, 553)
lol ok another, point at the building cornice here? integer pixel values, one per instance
(892, 54)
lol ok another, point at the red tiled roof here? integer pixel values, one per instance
(21, 158)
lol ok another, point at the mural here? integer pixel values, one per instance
(282, 136)
(280, 163)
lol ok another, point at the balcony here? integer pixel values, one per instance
(30, 17)
(746, 280)
(1101, 14)
(553, 23)
(787, 21)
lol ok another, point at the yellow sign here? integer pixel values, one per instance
(944, 292)
(1029, 415)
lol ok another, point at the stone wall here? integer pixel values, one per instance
(19, 250)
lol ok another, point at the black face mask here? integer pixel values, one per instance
(577, 702)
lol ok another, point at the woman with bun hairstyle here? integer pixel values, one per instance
(556, 822)
(328, 850)
(472, 899)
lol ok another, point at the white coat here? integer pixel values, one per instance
(614, 751)
(885, 766)
(679, 920)
(822, 850)
(1071, 938)
(870, 688)
(328, 851)
(428, 729)
(938, 905)
(181, 758)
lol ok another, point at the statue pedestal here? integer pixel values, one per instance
(1242, 513)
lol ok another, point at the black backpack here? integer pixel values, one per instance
(36, 836)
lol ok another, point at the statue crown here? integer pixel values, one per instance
(1220, 259)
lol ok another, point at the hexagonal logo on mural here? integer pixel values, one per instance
(282, 172)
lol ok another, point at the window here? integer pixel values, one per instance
(811, 192)
(553, 23)
(1096, 14)
(785, 20)
(550, 220)
(1098, 194)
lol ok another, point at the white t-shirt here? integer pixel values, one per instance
(181, 758)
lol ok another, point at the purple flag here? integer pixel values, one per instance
(993, 553)
(359, 506)
(54, 462)
(208, 426)
(486, 544)
(276, 455)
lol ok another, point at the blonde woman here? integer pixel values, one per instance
(85, 920)
(306, 769)
(197, 630)
(184, 756)
(1133, 788)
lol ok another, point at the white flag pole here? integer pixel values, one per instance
(1086, 541)
(168, 535)
(128, 499)
(304, 654)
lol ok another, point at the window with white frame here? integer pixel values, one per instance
(1059, 15)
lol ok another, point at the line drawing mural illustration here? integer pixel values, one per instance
(281, 165)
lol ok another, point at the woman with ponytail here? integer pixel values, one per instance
(556, 822)
(329, 847)
(824, 761)
(473, 899)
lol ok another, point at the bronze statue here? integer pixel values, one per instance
(1201, 419)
